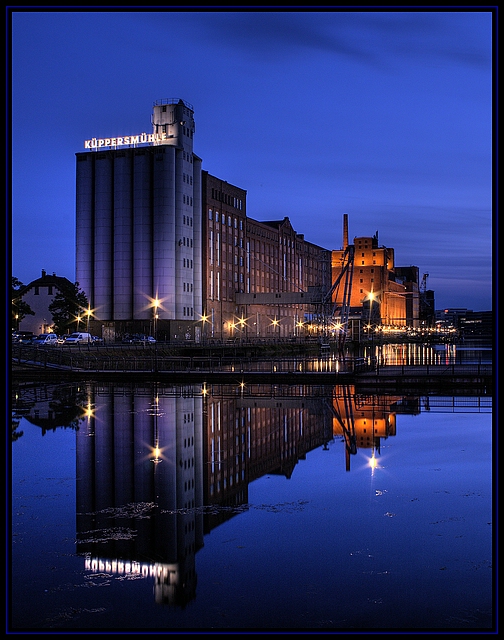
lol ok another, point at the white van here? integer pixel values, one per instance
(75, 338)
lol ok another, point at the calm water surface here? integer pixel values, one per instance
(166, 507)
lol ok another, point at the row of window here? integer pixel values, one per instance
(216, 487)
(188, 311)
(237, 203)
(187, 199)
(188, 220)
(187, 178)
(230, 221)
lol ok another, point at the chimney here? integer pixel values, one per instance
(345, 230)
(43, 273)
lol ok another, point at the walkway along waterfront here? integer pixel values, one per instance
(150, 363)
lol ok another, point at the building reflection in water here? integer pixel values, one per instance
(139, 486)
(160, 466)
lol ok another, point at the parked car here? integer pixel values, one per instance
(23, 337)
(143, 339)
(46, 339)
(96, 339)
(75, 338)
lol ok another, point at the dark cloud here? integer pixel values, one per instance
(379, 34)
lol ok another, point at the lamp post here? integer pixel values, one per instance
(299, 326)
(371, 297)
(243, 325)
(155, 309)
(204, 320)
(276, 323)
(88, 315)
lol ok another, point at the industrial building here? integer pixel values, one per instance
(165, 248)
(138, 217)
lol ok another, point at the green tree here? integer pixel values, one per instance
(68, 309)
(20, 308)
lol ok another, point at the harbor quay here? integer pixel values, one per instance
(246, 366)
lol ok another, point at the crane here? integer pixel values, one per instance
(346, 273)
(423, 283)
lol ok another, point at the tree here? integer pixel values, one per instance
(67, 309)
(20, 308)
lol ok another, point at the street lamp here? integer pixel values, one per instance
(155, 305)
(155, 309)
(371, 297)
(204, 320)
(276, 323)
(88, 315)
(243, 325)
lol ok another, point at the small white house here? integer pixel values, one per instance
(39, 294)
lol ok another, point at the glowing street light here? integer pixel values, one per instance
(155, 305)
(89, 313)
(276, 323)
(371, 297)
(242, 323)
(204, 320)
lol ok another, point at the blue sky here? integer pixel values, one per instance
(383, 115)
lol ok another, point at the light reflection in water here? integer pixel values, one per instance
(149, 520)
